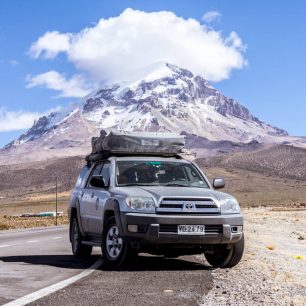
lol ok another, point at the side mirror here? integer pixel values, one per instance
(218, 183)
(97, 181)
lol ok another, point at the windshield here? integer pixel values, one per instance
(158, 173)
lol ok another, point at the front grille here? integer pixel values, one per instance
(209, 229)
(188, 206)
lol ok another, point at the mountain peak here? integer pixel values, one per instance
(179, 70)
(165, 98)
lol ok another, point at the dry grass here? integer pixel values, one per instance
(48, 197)
(271, 247)
(7, 212)
(20, 222)
(287, 208)
(16, 208)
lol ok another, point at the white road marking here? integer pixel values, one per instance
(32, 241)
(4, 245)
(54, 238)
(53, 288)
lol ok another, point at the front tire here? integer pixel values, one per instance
(78, 249)
(224, 257)
(114, 247)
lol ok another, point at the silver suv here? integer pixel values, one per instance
(158, 205)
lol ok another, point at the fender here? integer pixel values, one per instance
(113, 205)
(76, 205)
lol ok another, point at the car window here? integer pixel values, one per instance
(97, 170)
(82, 176)
(102, 169)
(106, 173)
(159, 173)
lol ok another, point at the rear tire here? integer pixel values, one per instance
(78, 249)
(114, 247)
(226, 257)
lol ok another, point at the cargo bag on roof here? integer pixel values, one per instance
(123, 142)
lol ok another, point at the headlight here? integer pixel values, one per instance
(141, 203)
(229, 206)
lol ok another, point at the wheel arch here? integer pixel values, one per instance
(111, 209)
(74, 211)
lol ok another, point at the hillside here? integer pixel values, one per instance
(268, 176)
(23, 181)
(276, 161)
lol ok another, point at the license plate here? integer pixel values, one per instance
(191, 229)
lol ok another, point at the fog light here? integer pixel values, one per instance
(237, 229)
(133, 228)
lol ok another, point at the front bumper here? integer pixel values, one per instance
(153, 234)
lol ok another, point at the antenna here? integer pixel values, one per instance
(56, 200)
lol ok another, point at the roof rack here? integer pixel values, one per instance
(100, 157)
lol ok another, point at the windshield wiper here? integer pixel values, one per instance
(135, 184)
(176, 185)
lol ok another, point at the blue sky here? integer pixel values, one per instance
(271, 85)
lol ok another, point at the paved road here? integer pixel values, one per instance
(150, 281)
(33, 259)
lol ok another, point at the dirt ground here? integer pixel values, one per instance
(273, 268)
(254, 189)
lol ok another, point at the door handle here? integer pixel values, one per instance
(92, 194)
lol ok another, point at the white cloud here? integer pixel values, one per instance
(74, 87)
(234, 40)
(50, 44)
(211, 16)
(116, 47)
(17, 120)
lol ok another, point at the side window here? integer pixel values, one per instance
(97, 170)
(101, 169)
(105, 173)
(81, 177)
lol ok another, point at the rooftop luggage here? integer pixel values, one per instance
(123, 142)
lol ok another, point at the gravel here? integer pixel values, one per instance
(273, 268)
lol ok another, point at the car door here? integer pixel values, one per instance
(97, 199)
(85, 199)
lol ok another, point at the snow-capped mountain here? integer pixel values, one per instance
(168, 98)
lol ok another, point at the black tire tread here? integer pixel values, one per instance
(237, 254)
(108, 263)
(83, 250)
(230, 259)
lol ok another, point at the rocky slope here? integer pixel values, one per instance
(273, 160)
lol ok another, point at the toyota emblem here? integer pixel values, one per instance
(189, 206)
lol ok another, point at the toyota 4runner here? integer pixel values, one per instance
(163, 205)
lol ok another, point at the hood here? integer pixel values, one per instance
(157, 192)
